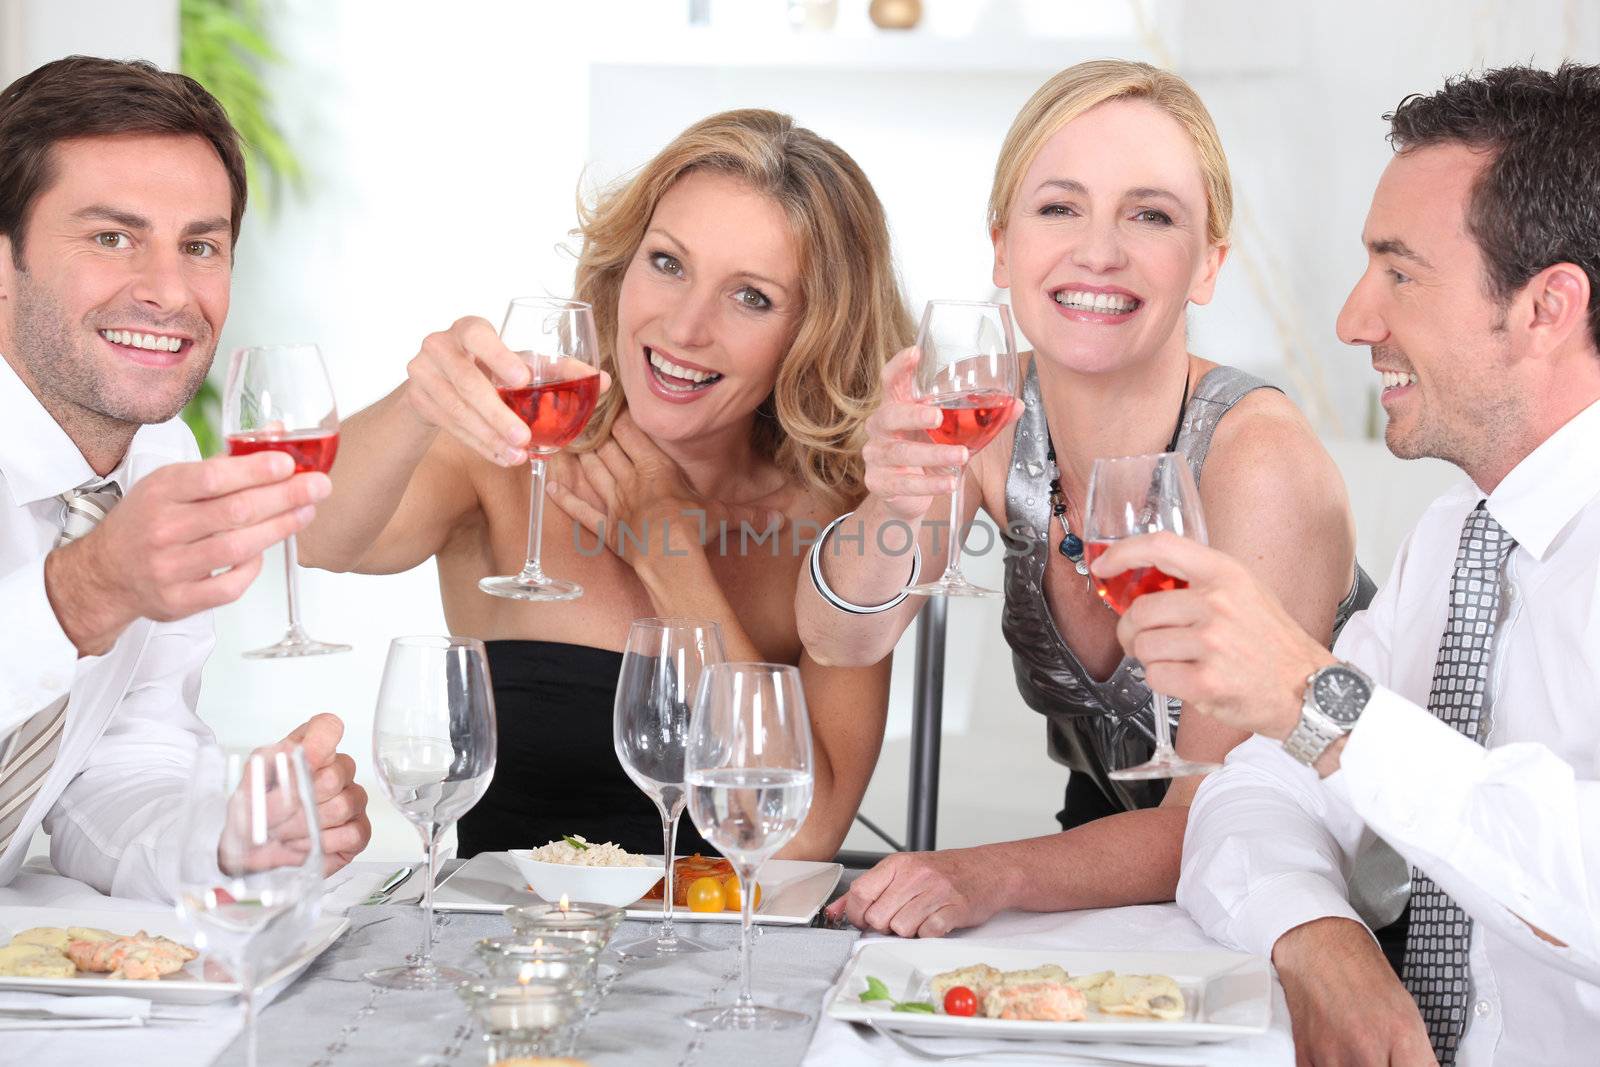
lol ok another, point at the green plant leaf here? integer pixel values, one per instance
(876, 990)
(920, 1007)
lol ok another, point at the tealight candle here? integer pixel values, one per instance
(521, 1018)
(581, 920)
(562, 960)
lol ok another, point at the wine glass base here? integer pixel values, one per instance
(654, 948)
(1160, 766)
(296, 646)
(415, 977)
(516, 587)
(752, 1017)
(948, 586)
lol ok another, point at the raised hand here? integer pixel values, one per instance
(184, 539)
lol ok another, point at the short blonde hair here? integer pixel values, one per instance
(852, 317)
(1077, 89)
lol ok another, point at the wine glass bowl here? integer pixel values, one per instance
(556, 339)
(433, 743)
(1131, 496)
(967, 370)
(279, 398)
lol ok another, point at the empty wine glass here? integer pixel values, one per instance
(250, 866)
(967, 368)
(433, 740)
(279, 398)
(1130, 496)
(661, 670)
(748, 769)
(556, 339)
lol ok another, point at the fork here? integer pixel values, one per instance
(1021, 1049)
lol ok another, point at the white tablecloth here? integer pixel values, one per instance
(1159, 926)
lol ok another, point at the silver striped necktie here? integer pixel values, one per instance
(1436, 968)
(27, 755)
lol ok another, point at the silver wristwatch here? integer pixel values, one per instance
(1335, 698)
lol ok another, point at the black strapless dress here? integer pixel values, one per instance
(557, 771)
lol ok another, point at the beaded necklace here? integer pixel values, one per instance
(1071, 545)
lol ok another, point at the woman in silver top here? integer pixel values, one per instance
(1109, 214)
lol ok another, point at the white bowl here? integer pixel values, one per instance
(616, 886)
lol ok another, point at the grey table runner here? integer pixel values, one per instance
(332, 1018)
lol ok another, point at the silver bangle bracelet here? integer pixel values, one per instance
(840, 602)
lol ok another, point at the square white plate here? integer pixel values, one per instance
(188, 986)
(1228, 994)
(792, 891)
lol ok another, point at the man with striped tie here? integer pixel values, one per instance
(121, 194)
(1455, 727)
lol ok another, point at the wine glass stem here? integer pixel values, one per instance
(747, 897)
(952, 569)
(291, 580)
(669, 840)
(1162, 724)
(247, 997)
(531, 571)
(430, 840)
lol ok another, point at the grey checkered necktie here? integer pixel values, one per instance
(28, 753)
(1436, 967)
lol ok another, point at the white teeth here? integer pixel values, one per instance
(1395, 379)
(1106, 303)
(666, 366)
(149, 341)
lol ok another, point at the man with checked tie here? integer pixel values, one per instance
(1457, 721)
(121, 194)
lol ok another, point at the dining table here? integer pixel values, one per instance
(329, 1016)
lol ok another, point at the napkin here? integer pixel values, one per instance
(46, 1011)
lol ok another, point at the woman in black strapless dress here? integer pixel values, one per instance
(745, 300)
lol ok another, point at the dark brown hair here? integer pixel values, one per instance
(1538, 202)
(81, 96)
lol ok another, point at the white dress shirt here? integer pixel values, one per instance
(130, 735)
(1510, 828)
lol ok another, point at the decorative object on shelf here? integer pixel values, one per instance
(813, 14)
(895, 14)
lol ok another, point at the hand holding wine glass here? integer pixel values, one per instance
(1130, 496)
(250, 869)
(748, 767)
(967, 372)
(556, 340)
(433, 741)
(278, 398)
(661, 670)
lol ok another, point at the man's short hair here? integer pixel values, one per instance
(81, 96)
(1538, 201)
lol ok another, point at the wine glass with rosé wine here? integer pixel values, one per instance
(279, 398)
(556, 338)
(1130, 496)
(967, 368)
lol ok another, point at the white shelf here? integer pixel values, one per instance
(910, 51)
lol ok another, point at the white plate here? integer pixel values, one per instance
(187, 986)
(1228, 994)
(792, 891)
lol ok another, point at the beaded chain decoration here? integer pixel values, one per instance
(1071, 545)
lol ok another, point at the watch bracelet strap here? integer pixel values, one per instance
(1311, 736)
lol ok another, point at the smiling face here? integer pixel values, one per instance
(1438, 339)
(128, 259)
(1106, 241)
(708, 308)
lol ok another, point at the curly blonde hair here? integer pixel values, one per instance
(852, 316)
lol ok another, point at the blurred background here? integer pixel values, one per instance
(419, 161)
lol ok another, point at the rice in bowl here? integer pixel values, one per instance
(575, 851)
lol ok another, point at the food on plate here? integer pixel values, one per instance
(1154, 996)
(705, 894)
(1051, 1002)
(877, 989)
(689, 870)
(34, 961)
(1049, 994)
(731, 893)
(960, 1001)
(142, 957)
(576, 851)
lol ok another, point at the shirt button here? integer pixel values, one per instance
(1482, 1008)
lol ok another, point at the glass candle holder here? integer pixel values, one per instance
(522, 1019)
(580, 920)
(564, 961)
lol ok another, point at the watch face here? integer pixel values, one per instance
(1341, 694)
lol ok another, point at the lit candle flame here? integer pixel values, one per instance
(564, 904)
(526, 974)
(538, 944)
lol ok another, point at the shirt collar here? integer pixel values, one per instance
(1545, 492)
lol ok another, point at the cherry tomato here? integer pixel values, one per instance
(730, 890)
(960, 1001)
(705, 894)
